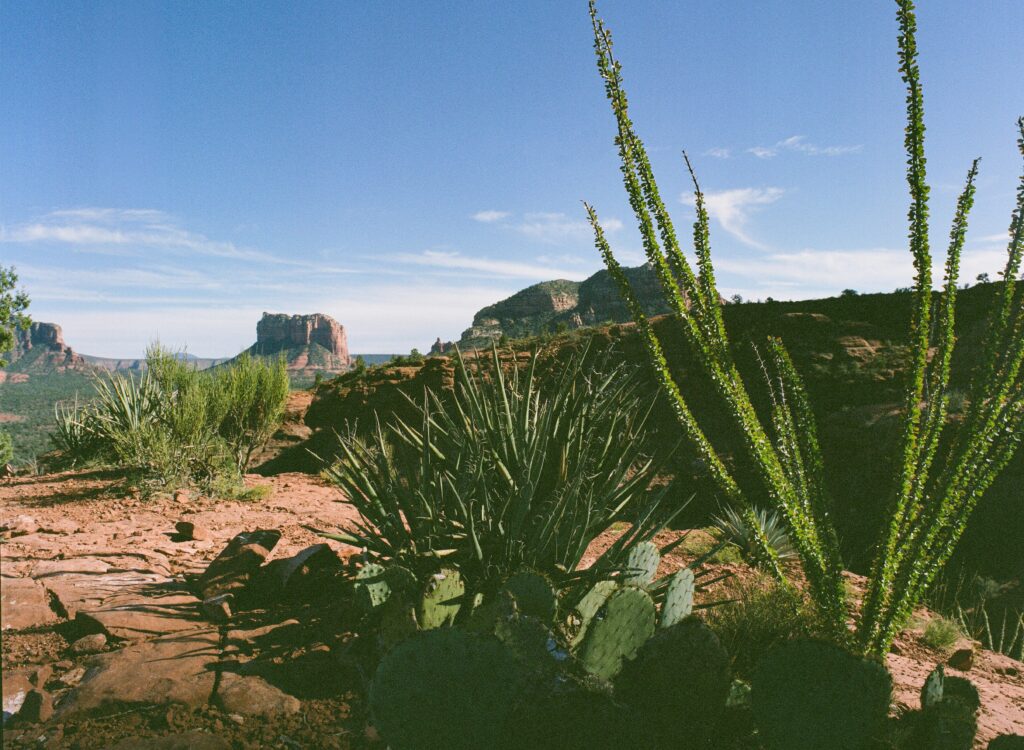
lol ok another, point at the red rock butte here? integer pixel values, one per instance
(314, 343)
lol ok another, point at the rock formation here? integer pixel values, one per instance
(311, 344)
(40, 349)
(553, 305)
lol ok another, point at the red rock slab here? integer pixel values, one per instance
(24, 604)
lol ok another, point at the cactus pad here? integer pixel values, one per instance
(617, 631)
(677, 685)
(794, 711)
(642, 564)
(583, 613)
(371, 588)
(534, 594)
(678, 598)
(441, 599)
(397, 621)
(446, 688)
(932, 690)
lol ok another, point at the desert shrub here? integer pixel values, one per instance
(251, 395)
(507, 472)
(943, 467)
(172, 425)
(941, 633)
(762, 615)
(6, 447)
(734, 527)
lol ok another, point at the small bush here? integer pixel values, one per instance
(763, 615)
(6, 447)
(941, 633)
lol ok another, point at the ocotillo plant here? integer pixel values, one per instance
(935, 491)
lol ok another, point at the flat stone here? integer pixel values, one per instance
(254, 696)
(237, 562)
(194, 740)
(19, 526)
(59, 526)
(75, 565)
(136, 616)
(171, 670)
(24, 604)
(89, 644)
(72, 677)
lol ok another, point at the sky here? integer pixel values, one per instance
(170, 170)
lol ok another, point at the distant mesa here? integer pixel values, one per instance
(310, 344)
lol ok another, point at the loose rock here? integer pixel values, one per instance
(188, 532)
(962, 659)
(24, 603)
(236, 564)
(254, 696)
(89, 644)
(36, 708)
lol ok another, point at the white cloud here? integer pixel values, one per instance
(490, 216)
(799, 144)
(490, 267)
(732, 208)
(718, 153)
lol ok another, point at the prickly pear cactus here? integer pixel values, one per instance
(948, 717)
(1007, 742)
(486, 615)
(397, 621)
(402, 581)
(642, 564)
(677, 685)
(811, 695)
(932, 690)
(441, 599)
(570, 714)
(678, 602)
(531, 641)
(617, 631)
(446, 688)
(534, 594)
(371, 587)
(582, 615)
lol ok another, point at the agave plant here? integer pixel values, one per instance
(506, 473)
(944, 468)
(735, 529)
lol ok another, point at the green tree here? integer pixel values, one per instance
(12, 310)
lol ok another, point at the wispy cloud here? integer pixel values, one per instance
(490, 216)
(555, 228)
(719, 153)
(141, 228)
(489, 266)
(799, 144)
(732, 209)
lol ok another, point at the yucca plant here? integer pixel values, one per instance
(935, 491)
(507, 472)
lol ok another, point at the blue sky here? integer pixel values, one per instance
(172, 169)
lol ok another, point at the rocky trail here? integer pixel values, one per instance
(183, 622)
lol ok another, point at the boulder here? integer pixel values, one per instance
(218, 608)
(16, 686)
(188, 532)
(24, 603)
(19, 526)
(235, 565)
